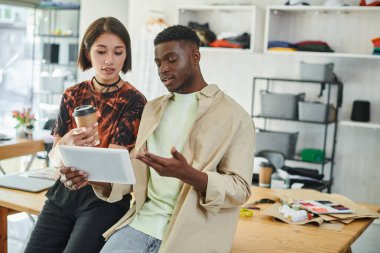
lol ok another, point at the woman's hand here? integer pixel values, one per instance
(76, 179)
(73, 179)
(82, 136)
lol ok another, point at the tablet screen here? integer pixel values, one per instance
(101, 164)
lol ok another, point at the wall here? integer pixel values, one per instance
(357, 163)
(93, 9)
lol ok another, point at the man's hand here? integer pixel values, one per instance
(175, 166)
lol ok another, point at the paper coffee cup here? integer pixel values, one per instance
(85, 116)
(265, 175)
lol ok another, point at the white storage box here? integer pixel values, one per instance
(317, 71)
(318, 112)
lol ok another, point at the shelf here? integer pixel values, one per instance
(286, 142)
(333, 25)
(225, 50)
(75, 36)
(326, 9)
(55, 52)
(232, 19)
(295, 120)
(374, 126)
(295, 80)
(342, 55)
(325, 185)
(58, 6)
(298, 159)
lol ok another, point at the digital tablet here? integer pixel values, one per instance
(101, 164)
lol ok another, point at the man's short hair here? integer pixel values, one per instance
(177, 33)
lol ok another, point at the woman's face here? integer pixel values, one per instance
(107, 56)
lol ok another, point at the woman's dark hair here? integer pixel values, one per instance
(178, 33)
(97, 28)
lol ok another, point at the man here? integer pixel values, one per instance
(193, 161)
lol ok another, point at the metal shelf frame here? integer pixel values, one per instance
(339, 85)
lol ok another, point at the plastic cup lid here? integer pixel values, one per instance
(84, 110)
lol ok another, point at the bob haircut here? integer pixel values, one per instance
(97, 28)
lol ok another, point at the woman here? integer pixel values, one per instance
(73, 218)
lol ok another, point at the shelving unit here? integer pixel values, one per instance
(333, 25)
(237, 19)
(55, 53)
(375, 126)
(269, 84)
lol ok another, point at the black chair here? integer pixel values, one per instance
(49, 125)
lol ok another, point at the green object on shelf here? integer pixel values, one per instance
(312, 155)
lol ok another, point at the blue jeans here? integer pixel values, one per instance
(130, 240)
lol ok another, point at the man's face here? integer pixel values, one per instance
(176, 66)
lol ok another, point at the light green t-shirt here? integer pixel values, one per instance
(153, 218)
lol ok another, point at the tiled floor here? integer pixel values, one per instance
(20, 225)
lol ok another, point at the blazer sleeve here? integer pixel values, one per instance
(230, 184)
(117, 192)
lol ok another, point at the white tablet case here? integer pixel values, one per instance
(101, 164)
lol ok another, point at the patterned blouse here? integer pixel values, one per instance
(119, 112)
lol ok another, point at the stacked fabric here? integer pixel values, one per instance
(376, 46)
(281, 46)
(208, 37)
(313, 46)
(232, 41)
(307, 45)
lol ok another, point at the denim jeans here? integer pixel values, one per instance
(130, 240)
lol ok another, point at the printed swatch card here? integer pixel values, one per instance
(323, 206)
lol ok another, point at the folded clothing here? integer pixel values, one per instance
(314, 46)
(203, 31)
(369, 3)
(312, 173)
(243, 40)
(279, 43)
(282, 49)
(376, 42)
(307, 184)
(224, 43)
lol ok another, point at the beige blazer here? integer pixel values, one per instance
(221, 144)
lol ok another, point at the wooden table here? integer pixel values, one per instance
(12, 201)
(20, 147)
(261, 234)
(255, 234)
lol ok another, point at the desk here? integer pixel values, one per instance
(256, 234)
(261, 234)
(12, 201)
(20, 147)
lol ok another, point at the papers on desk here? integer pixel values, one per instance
(323, 206)
(328, 219)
